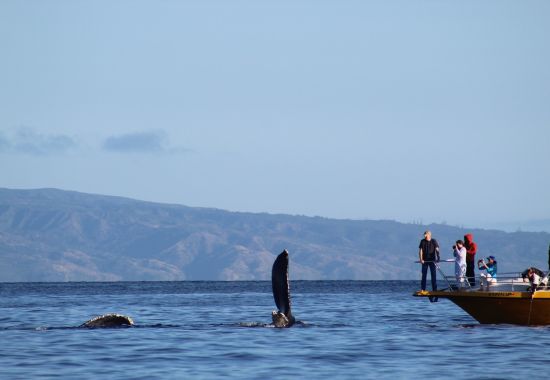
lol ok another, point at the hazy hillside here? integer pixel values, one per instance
(54, 235)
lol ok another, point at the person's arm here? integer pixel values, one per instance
(420, 256)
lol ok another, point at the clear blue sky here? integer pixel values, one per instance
(410, 110)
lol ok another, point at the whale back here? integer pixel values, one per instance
(109, 320)
(280, 284)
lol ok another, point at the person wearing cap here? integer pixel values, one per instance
(491, 272)
(428, 254)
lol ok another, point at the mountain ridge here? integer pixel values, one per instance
(57, 235)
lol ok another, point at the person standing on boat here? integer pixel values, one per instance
(428, 254)
(471, 249)
(491, 276)
(459, 252)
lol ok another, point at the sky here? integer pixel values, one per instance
(413, 110)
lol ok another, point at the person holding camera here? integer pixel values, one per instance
(491, 272)
(459, 252)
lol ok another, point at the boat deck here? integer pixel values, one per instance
(507, 300)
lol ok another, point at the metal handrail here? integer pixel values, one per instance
(513, 278)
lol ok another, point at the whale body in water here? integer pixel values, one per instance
(281, 292)
(109, 320)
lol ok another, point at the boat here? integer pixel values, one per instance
(509, 300)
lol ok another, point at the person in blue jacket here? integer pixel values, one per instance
(491, 272)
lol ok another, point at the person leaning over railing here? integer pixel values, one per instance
(536, 278)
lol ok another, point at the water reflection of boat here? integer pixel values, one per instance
(509, 300)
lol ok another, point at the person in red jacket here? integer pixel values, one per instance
(471, 249)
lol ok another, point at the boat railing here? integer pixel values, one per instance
(509, 281)
(512, 281)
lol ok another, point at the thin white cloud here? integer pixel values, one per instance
(25, 140)
(4, 143)
(140, 142)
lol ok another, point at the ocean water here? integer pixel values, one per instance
(202, 330)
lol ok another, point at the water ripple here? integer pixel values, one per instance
(215, 330)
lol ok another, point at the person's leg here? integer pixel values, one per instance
(482, 281)
(470, 273)
(433, 276)
(460, 279)
(490, 280)
(424, 273)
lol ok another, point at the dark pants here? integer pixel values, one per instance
(432, 275)
(470, 274)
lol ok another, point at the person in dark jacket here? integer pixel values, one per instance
(536, 278)
(471, 249)
(428, 254)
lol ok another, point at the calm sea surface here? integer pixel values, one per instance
(200, 330)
